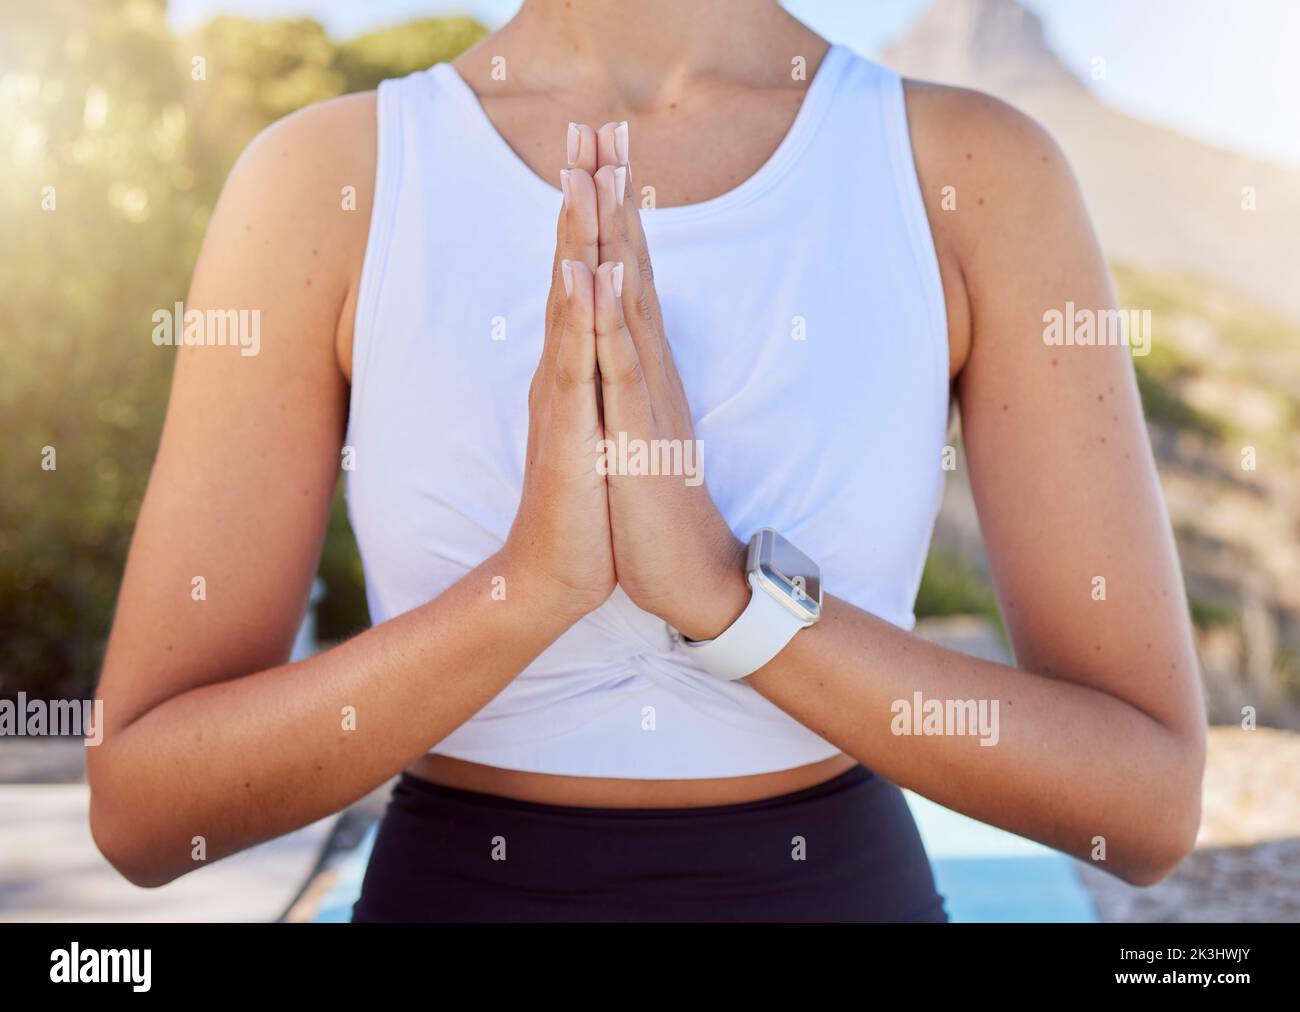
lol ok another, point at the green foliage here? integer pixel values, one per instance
(343, 611)
(1287, 671)
(951, 586)
(103, 212)
(257, 72)
(117, 137)
(1162, 404)
(1250, 344)
(1207, 613)
(1240, 320)
(368, 59)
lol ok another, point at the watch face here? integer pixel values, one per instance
(786, 573)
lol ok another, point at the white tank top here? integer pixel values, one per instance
(806, 316)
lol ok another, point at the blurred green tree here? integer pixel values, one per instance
(117, 137)
(392, 52)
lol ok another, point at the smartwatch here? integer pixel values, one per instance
(785, 596)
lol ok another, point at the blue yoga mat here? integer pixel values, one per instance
(987, 874)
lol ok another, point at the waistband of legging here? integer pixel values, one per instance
(843, 782)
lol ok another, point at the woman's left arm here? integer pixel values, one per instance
(1101, 723)
(1100, 726)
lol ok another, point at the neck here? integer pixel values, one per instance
(648, 52)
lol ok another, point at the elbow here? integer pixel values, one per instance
(124, 852)
(1154, 859)
(1168, 829)
(119, 833)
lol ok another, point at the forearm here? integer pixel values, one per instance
(243, 760)
(1070, 763)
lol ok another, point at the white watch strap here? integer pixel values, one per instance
(761, 632)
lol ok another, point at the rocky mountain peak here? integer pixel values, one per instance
(994, 45)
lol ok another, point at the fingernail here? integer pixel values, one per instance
(620, 183)
(616, 279)
(620, 142)
(566, 272)
(564, 185)
(573, 141)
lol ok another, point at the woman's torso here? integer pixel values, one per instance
(807, 315)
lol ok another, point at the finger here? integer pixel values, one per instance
(622, 238)
(575, 360)
(638, 304)
(612, 145)
(578, 233)
(613, 142)
(576, 238)
(581, 148)
(573, 383)
(621, 235)
(627, 406)
(610, 184)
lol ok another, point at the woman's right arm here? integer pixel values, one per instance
(212, 742)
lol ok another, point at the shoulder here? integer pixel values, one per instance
(996, 185)
(1003, 166)
(298, 203)
(949, 107)
(332, 125)
(297, 159)
(957, 125)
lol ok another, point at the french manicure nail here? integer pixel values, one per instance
(573, 142)
(564, 185)
(620, 142)
(566, 272)
(620, 183)
(616, 279)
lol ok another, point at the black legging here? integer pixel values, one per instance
(845, 850)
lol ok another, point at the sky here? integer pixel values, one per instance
(1225, 71)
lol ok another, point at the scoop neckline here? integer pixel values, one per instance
(815, 102)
